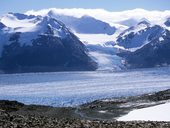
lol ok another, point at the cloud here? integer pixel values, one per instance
(110, 17)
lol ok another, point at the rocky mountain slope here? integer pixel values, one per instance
(139, 35)
(153, 54)
(40, 44)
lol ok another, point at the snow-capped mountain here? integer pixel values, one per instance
(40, 44)
(155, 53)
(139, 35)
(106, 39)
(146, 44)
(84, 24)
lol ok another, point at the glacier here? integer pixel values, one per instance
(76, 88)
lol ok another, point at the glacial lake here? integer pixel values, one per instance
(75, 88)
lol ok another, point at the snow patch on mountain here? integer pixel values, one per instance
(155, 113)
(12, 21)
(135, 29)
(31, 30)
(161, 39)
(96, 38)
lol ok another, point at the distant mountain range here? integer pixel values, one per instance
(52, 41)
(84, 24)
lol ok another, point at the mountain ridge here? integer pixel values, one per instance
(52, 48)
(36, 30)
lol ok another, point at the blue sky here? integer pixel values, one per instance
(111, 5)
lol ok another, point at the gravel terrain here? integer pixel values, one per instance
(98, 114)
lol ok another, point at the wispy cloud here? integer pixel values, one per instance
(110, 17)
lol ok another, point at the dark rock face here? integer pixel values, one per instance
(2, 25)
(167, 23)
(47, 52)
(156, 53)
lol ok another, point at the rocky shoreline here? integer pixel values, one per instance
(98, 114)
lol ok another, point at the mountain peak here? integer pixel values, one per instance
(51, 13)
(52, 21)
(139, 35)
(144, 22)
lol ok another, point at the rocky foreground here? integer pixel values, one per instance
(17, 121)
(98, 114)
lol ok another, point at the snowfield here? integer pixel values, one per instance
(96, 38)
(156, 113)
(75, 88)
